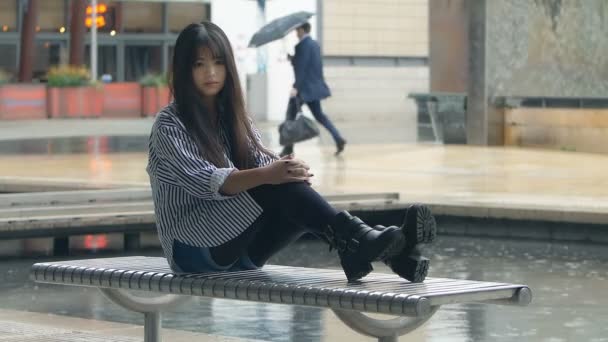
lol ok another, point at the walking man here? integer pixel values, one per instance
(310, 86)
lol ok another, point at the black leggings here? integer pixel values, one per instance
(290, 210)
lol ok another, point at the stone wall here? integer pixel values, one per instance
(448, 45)
(552, 48)
(547, 48)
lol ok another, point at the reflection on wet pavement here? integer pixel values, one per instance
(73, 145)
(568, 281)
(104, 141)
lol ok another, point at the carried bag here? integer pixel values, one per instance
(299, 129)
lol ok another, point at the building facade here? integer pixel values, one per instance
(134, 37)
(375, 51)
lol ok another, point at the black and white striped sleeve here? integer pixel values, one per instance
(194, 174)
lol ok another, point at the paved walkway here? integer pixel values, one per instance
(24, 326)
(461, 180)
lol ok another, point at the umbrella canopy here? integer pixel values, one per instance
(278, 28)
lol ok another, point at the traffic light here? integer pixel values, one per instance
(102, 9)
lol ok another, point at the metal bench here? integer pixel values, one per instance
(130, 211)
(377, 293)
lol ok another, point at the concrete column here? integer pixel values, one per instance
(448, 45)
(28, 36)
(477, 88)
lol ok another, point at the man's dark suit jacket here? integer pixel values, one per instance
(308, 68)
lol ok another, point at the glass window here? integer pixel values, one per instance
(182, 14)
(142, 17)
(8, 59)
(51, 15)
(106, 60)
(140, 60)
(8, 16)
(48, 53)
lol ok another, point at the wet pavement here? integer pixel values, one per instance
(569, 283)
(75, 145)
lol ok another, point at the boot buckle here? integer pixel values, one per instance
(341, 245)
(353, 245)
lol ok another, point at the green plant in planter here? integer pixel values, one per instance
(5, 77)
(153, 80)
(68, 76)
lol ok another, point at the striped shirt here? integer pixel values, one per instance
(185, 188)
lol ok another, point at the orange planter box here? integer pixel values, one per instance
(122, 100)
(74, 102)
(22, 101)
(154, 99)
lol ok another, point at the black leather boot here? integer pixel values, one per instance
(419, 227)
(358, 244)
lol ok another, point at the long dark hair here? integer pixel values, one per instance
(194, 114)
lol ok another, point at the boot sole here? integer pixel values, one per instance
(412, 268)
(360, 271)
(419, 226)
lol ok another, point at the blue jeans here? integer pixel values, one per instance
(190, 259)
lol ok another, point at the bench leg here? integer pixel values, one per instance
(152, 327)
(150, 307)
(132, 241)
(384, 330)
(61, 246)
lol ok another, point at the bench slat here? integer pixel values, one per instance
(380, 293)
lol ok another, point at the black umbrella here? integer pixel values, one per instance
(278, 28)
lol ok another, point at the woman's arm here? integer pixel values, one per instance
(284, 170)
(239, 181)
(203, 179)
(185, 166)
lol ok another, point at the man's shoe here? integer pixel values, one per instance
(340, 146)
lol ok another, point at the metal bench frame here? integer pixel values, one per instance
(377, 293)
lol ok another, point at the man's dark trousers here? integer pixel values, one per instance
(315, 108)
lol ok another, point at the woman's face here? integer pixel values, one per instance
(209, 73)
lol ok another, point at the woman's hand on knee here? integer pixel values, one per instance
(287, 169)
